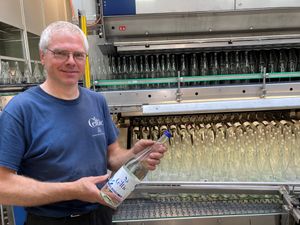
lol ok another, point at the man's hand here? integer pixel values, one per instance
(86, 189)
(156, 154)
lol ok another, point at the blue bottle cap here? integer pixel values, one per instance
(167, 133)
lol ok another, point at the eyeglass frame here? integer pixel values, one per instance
(64, 54)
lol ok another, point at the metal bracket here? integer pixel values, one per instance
(291, 203)
(264, 86)
(179, 92)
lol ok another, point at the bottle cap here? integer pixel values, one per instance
(167, 133)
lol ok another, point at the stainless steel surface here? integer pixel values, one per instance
(140, 27)
(254, 4)
(208, 43)
(185, 204)
(172, 6)
(166, 207)
(243, 220)
(222, 106)
(279, 96)
(7, 215)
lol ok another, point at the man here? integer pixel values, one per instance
(57, 140)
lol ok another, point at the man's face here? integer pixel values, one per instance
(62, 67)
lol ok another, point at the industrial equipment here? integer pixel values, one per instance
(223, 77)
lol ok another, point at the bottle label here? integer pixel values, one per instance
(122, 183)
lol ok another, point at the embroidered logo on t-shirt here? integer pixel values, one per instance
(97, 126)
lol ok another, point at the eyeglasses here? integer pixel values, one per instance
(64, 55)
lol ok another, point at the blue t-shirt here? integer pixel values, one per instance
(55, 140)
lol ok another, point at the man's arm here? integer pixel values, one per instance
(19, 190)
(117, 155)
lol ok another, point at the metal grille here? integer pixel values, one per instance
(160, 206)
(7, 216)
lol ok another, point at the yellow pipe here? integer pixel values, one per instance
(87, 76)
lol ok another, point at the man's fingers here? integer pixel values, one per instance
(100, 179)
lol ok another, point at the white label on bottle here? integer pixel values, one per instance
(123, 183)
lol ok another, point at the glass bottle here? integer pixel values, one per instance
(173, 67)
(246, 65)
(119, 68)
(18, 74)
(114, 69)
(272, 62)
(194, 66)
(216, 66)
(152, 69)
(135, 70)
(5, 79)
(204, 66)
(168, 68)
(252, 63)
(1, 71)
(27, 75)
(37, 75)
(141, 69)
(158, 68)
(224, 66)
(147, 73)
(282, 61)
(123, 182)
(124, 68)
(183, 68)
(237, 66)
(292, 60)
(163, 69)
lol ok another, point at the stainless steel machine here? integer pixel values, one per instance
(223, 77)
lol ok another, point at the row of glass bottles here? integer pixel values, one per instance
(202, 64)
(13, 75)
(258, 151)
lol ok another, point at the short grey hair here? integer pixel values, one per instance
(60, 26)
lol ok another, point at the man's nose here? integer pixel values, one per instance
(71, 58)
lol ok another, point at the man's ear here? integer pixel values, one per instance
(42, 56)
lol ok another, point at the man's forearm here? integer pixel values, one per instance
(23, 191)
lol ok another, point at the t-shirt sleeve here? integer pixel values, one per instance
(12, 141)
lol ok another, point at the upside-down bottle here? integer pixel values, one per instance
(123, 182)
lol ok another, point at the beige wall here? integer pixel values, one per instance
(37, 13)
(55, 10)
(10, 12)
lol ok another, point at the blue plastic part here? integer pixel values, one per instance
(119, 7)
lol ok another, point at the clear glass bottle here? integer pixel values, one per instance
(147, 73)
(27, 74)
(158, 69)
(37, 73)
(194, 67)
(282, 61)
(237, 66)
(18, 74)
(204, 66)
(6, 74)
(183, 68)
(163, 69)
(272, 62)
(292, 60)
(117, 189)
(114, 69)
